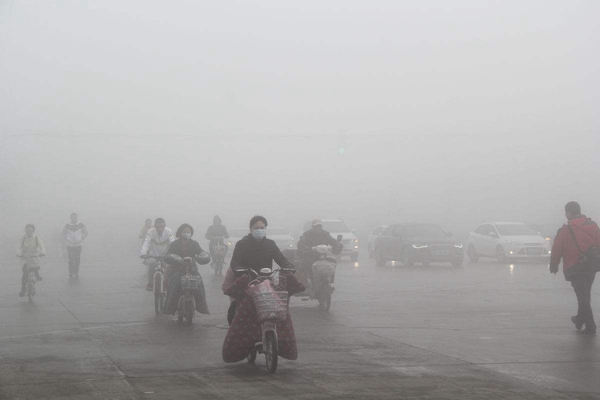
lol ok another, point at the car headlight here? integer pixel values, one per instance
(514, 243)
(458, 246)
(355, 240)
(420, 246)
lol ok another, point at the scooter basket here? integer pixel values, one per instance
(191, 282)
(220, 251)
(271, 306)
(323, 269)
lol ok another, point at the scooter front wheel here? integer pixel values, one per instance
(189, 313)
(30, 292)
(325, 298)
(271, 351)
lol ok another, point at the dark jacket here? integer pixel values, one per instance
(216, 230)
(314, 238)
(587, 234)
(192, 249)
(257, 254)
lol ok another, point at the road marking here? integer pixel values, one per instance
(74, 330)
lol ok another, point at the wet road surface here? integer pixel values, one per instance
(482, 331)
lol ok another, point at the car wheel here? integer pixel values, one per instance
(379, 260)
(406, 260)
(457, 263)
(500, 254)
(473, 256)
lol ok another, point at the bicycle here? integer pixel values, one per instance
(160, 291)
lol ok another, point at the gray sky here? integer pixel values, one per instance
(453, 112)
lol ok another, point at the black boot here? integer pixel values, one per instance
(578, 325)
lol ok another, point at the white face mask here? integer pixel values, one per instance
(186, 236)
(259, 234)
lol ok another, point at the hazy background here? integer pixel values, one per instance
(453, 112)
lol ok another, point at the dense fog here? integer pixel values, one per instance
(454, 113)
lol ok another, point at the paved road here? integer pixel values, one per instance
(484, 331)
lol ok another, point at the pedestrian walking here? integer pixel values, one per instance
(74, 234)
(576, 243)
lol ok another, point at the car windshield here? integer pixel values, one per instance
(336, 227)
(239, 232)
(277, 232)
(515, 230)
(430, 231)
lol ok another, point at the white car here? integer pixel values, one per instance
(507, 240)
(282, 238)
(235, 235)
(371, 240)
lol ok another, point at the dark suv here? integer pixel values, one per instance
(417, 243)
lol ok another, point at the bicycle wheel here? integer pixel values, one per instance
(163, 300)
(30, 292)
(157, 294)
(271, 351)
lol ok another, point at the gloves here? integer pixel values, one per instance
(553, 268)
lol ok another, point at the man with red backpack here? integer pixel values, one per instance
(577, 243)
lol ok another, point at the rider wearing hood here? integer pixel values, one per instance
(184, 246)
(217, 229)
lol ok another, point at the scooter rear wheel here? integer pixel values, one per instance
(252, 357)
(325, 298)
(30, 292)
(189, 314)
(271, 352)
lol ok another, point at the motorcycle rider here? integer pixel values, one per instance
(185, 247)
(217, 229)
(156, 244)
(316, 236)
(31, 246)
(255, 251)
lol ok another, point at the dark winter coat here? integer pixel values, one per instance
(192, 249)
(216, 230)
(312, 238)
(257, 254)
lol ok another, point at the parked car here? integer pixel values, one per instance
(417, 243)
(507, 240)
(371, 240)
(338, 227)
